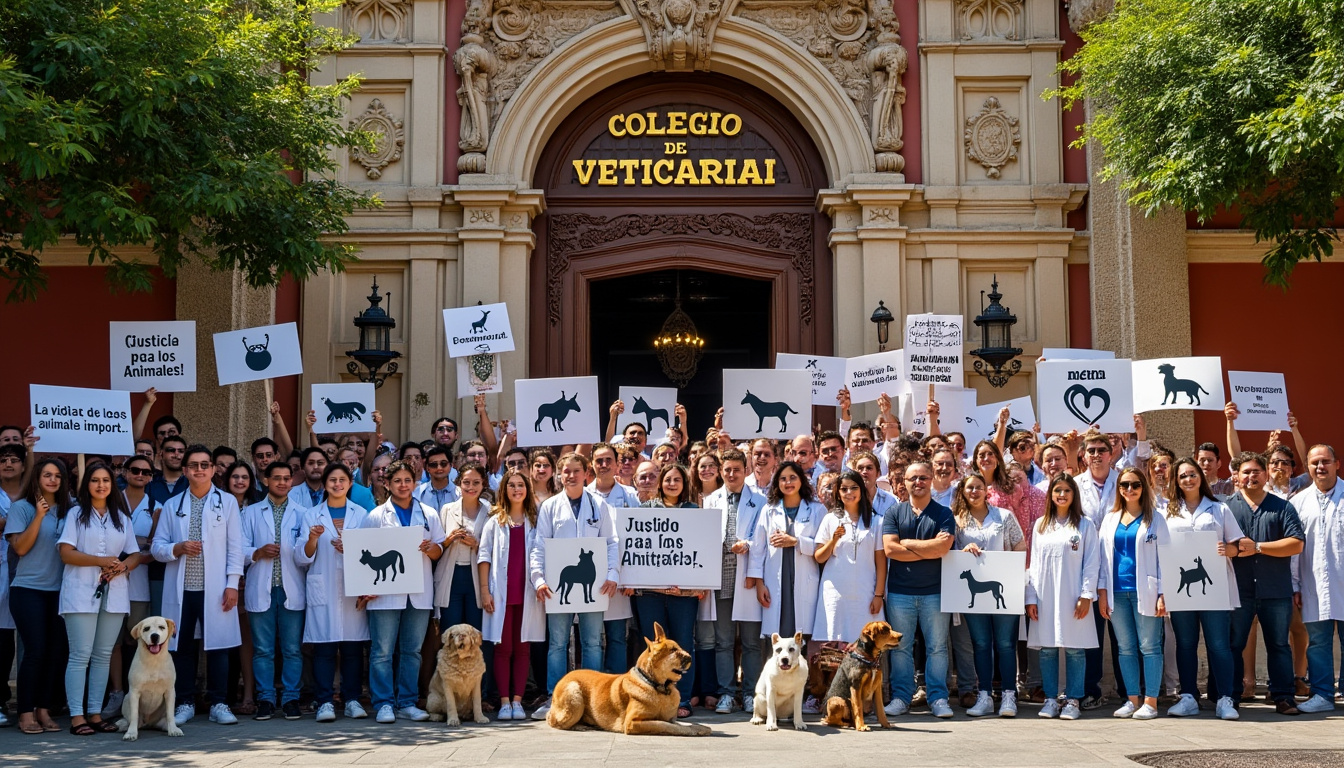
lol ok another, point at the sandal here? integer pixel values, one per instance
(248, 707)
(103, 726)
(683, 712)
(32, 729)
(51, 728)
(83, 729)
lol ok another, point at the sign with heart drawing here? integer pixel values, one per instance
(1076, 394)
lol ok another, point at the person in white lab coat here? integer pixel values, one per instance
(1061, 587)
(334, 622)
(849, 544)
(1096, 491)
(397, 623)
(782, 550)
(143, 512)
(200, 537)
(1319, 574)
(606, 486)
(457, 586)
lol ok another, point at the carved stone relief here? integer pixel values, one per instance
(1084, 12)
(990, 19)
(680, 33)
(379, 21)
(992, 138)
(389, 139)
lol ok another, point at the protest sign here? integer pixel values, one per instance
(575, 572)
(1178, 383)
(760, 403)
(161, 355)
(1062, 353)
(477, 329)
(1262, 399)
(478, 375)
(78, 420)
(933, 348)
(383, 561)
(870, 376)
(983, 422)
(955, 404)
(992, 582)
(1075, 394)
(557, 411)
(343, 408)
(252, 354)
(654, 407)
(671, 548)
(1194, 576)
(828, 374)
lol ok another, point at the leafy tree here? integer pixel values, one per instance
(188, 126)
(1209, 105)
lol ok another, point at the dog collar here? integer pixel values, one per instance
(663, 688)
(864, 660)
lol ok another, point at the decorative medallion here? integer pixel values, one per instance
(388, 139)
(992, 138)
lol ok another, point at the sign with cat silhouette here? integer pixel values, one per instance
(1178, 383)
(343, 408)
(557, 411)
(477, 329)
(1262, 399)
(1076, 394)
(253, 354)
(575, 571)
(663, 548)
(1194, 576)
(982, 422)
(654, 407)
(766, 403)
(383, 561)
(991, 582)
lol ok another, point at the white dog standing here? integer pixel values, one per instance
(151, 699)
(783, 682)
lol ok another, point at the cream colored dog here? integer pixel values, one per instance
(782, 683)
(151, 699)
(457, 676)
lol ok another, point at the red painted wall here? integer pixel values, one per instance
(1080, 306)
(457, 10)
(907, 13)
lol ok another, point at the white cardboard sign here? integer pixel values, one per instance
(763, 403)
(868, 377)
(78, 420)
(933, 349)
(654, 407)
(1194, 575)
(982, 423)
(828, 373)
(477, 329)
(671, 548)
(161, 355)
(1262, 399)
(993, 582)
(1064, 353)
(557, 411)
(1178, 383)
(955, 404)
(383, 561)
(253, 354)
(478, 375)
(575, 572)
(343, 408)
(1075, 394)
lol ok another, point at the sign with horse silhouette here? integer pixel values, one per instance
(663, 548)
(343, 408)
(982, 422)
(253, 354)
(1194, 576)
(1076, 394)
(575, 571)
(477, 329)
(654, 407)
(991, 582)
(766, 403)
(383, 561)
(557, 411)
(1178, 383)
(868, 377)
(828, 373)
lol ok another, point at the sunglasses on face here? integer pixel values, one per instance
(516, 464)
(602, 462)
(140, 471)
(437, 464)
(174, 450)
(1097, 451)
(200, 465)
(917, 478)
(1130, 485)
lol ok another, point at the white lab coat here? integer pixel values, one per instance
(142, 522)
(749, 506)
(495, 550)
(452, 518)
(1212, 515)
(300, 498)
(849, 580)
(1096, 506)
(102, 539)
(222, 550)
(1064, 566)
(1147, 568)
(385, 516)
(258, 531)
(329, 615)
(556, 520)
(6, 618)
(767, 562)
(1319, 571)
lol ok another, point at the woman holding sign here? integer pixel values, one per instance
(1193, 507)
(854, 581)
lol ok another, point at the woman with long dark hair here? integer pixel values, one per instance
(241, 482)
(782, 553)
(705, 477)
(545, 484)
(853, 583)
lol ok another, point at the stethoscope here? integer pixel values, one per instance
(215, 500)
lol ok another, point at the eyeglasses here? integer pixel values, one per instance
(437, 464)
(10, 460)
(829, 451)
(918, 478)
(1130, 485)
(139, 471)
(446, 428)
(516, 464)
(1097, 451)
(200, 465)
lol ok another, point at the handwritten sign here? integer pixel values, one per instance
(161, 355)
(77, 420)
(954, 405)
(663, 548)
(868, 377)
(933, 348)
(828, 373)
(1262, 399)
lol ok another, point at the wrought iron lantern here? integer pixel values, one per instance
(882, 319)
(373, 360)
(678, 345)
(997, 355)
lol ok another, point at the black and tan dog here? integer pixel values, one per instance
(858, 681)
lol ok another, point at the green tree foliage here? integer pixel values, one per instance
(188, 126)
(1223, 104)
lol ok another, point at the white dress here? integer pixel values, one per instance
(1064, 565)
(848, 580)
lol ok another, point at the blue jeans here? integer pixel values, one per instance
(324, 671)
(1137, 635)
(1320, 656)
(401, 630)
(1075, 668)
(557, 644)
(616, 661)
(1275, 614)
(1217, 627)
(92, 636)
(677, 615)
(993, 633)
(964, 661)
(1092, 678)
(461, 608)
(906, 614)
(277, 622)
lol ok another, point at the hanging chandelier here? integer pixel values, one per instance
(678, 345)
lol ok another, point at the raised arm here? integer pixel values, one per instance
(1231, 412)
(142, 418)
(282, 438)
(485, 428)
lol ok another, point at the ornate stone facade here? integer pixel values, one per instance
(680, 33)
(990, 19)
(389, 139)
(379, 21)
(992, 138)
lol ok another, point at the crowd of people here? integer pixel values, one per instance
(820, 534)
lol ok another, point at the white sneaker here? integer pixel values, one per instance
(386, 715)
(326, 713)
(725, 706)
(1126, 710)
(1071, 710)
(1146, 712)
(1186, 707)
(940, 708)
(984, 704)
(355, 711)
(540, 712)
(1049, 709)
(1227, 710)
(1008, 707)
(896, 708)
(749, 704)
(113, 708)
(412, 713)
(220, 713)
(183, 714)
(811, 706)
(505, 711)
(1316, 703)
(518, 713)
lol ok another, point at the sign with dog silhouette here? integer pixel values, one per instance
(982, 422)
(766, 403)
(477, 329)
(663, 548)
(575, 571)
(654, 407)
(991, 582)
(1178, 383)
(1262, 399)
(557, 411)
(383, 561)
(343, 408)
(868, 377)
(828, 373)
(253, 354)
(1194, 576)
(1076, 394)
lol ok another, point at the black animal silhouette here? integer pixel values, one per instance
(556, 412)
(583, 573)
(1196, 575)
(380, 565)
(258, 358)
(766, 410)
(479, 325)
(650, 413)
(811, 364)
(1174, 386)
(976, 587)
(1082, 413)
(350, 412)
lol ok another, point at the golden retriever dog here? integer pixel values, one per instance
(150, 701)
(858, 681)
(457, 676)
(643, 700)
